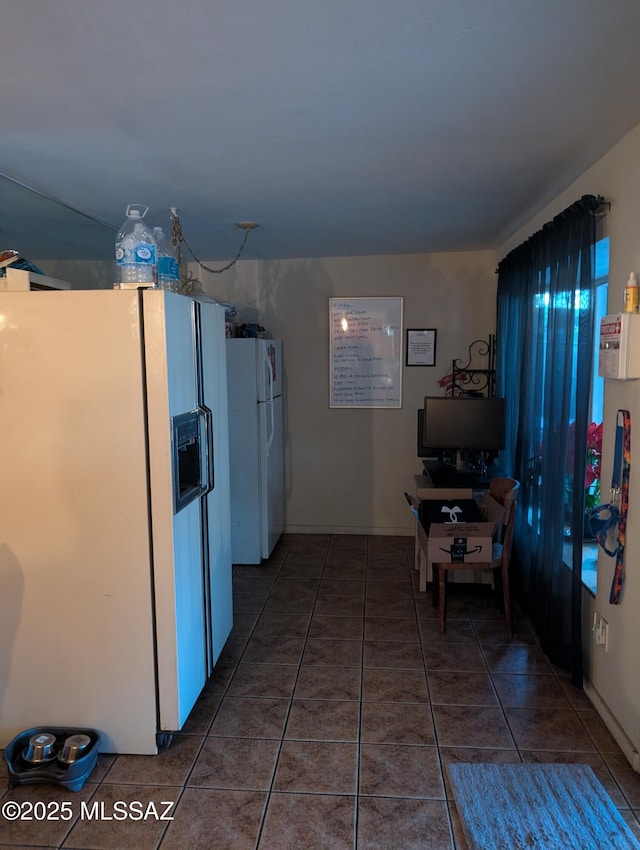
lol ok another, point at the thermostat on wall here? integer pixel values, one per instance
(619, 350)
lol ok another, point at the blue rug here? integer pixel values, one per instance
(536, 807)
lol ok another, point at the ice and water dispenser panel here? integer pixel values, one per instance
(193, 473)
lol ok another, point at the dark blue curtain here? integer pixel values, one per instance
(545, 338)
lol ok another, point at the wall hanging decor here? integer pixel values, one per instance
(468, 379)
(620, 492)
(421, 347)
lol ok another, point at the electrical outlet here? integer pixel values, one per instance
(601, 628)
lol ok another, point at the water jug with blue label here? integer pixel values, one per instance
(136, 251)
(168, 269)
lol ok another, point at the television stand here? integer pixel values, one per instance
(450, 476)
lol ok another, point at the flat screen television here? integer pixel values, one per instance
(449, 424)
(423, 449)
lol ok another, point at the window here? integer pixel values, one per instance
(594, 440)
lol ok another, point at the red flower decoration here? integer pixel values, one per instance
(594, 454)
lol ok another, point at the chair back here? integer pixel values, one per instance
(504, 490)
(501, 506)
(510, 495)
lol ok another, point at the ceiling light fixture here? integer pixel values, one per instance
(178, 239)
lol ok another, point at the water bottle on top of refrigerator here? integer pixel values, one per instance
(135, 250)
(168, 269)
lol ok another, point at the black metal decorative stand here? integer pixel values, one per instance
(470, 381)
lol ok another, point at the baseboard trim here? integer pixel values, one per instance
(620, 736)
(400, 531)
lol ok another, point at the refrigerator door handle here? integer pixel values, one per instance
(206, 415)
(273, 427)
(271, 378)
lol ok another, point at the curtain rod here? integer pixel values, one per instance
(593, 204)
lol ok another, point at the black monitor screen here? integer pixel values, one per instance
(423, 449)
(462, 423)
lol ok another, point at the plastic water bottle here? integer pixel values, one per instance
(168, 269)
(135, 250)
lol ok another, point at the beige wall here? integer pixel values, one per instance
(615, 675)
(81, 274)
(346, 470)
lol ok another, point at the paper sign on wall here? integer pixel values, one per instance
(365, 357)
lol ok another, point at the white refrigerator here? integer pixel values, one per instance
(115, 535)
(256, 440)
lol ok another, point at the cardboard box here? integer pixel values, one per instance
(460, 542)
(432, 511)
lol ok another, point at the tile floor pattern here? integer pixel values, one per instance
(331, 714)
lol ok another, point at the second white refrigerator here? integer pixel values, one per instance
(256, 454)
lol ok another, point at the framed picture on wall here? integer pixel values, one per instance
(421, 347)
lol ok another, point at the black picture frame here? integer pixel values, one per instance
(421, 346)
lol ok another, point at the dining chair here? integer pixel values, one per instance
(500, 508)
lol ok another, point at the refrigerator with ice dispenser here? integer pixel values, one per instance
(256, 447)
(115, 552)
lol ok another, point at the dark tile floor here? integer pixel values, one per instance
(333, 710)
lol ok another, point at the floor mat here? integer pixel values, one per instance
(536, 807)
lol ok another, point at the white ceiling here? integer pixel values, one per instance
(343, 127)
